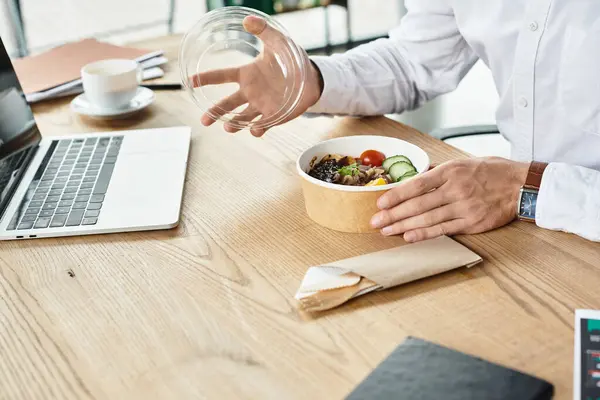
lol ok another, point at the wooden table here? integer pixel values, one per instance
(207, 311)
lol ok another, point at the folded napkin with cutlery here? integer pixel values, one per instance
(330, 285)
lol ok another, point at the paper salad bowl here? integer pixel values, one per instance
(350, 208)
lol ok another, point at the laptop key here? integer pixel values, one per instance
(42, 190)
(75, 218)
(64, 173)
(82, 198)
(46, 213)
(97, 198)
(62, 210)
(58, 221)
(65, 203)
(42, 223)
(36, 203)
(58, 186)
(94, 206)
(89, 221)
(85, 191)
(79, 205)
(110, 160)
(29, 218)
(49, 206)
(104, 179)
(45, 184)
(33, 211)
(55, 192)
(86, 185)
(91, 213)
(68, 196)
(25, 225)
(53, 198)
(73, 183)
(70, 189)
(89, 179)
(93, 167)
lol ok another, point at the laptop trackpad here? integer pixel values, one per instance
(145, 189)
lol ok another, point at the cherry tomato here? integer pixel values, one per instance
(373, 158)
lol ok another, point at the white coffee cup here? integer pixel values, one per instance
(111, 84)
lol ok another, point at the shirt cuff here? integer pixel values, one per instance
(334, 86)
(569, 200)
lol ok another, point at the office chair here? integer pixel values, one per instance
(479, 140)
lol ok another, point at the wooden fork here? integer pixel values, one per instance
(327, 299)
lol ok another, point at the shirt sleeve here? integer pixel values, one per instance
(569, 200)
(424, 57)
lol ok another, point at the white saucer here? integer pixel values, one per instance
(143, 98)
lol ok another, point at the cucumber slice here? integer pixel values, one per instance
(388, 162)
(407, 175)
(399, 169)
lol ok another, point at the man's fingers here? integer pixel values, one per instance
(414, 187)
(427, 219)
(452, 227)
(223, 107)
(248, 115)
(410, 208)
(258, 132)
(215, 77)
(259, 27)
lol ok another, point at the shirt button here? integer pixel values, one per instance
(533, 26)
(523, 102)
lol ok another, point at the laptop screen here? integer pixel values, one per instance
(18, 132)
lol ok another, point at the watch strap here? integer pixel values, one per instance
(534, 176)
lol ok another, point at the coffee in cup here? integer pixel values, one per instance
(111, 84)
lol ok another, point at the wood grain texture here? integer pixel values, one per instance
(206, 310)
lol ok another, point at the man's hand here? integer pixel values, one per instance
(463, 196)
(262, 86)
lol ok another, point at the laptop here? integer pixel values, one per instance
(87, 183)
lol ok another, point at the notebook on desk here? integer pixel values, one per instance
(418, 369)
(62, 65)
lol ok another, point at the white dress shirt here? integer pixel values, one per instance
(545, 59)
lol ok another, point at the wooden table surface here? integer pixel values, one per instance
(206, 310)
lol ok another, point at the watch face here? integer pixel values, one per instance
(528, 203)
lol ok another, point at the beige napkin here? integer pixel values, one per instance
(330, 285)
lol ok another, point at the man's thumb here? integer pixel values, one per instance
(259, 27)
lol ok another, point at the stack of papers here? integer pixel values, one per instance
(56, 73)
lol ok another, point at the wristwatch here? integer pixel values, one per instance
(529, 192)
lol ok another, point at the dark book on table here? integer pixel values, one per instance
(418, 369)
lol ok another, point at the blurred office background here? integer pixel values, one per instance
(50, 23)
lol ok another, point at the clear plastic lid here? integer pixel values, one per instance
(224, 66)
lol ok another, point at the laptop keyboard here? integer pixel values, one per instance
(70, 184)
